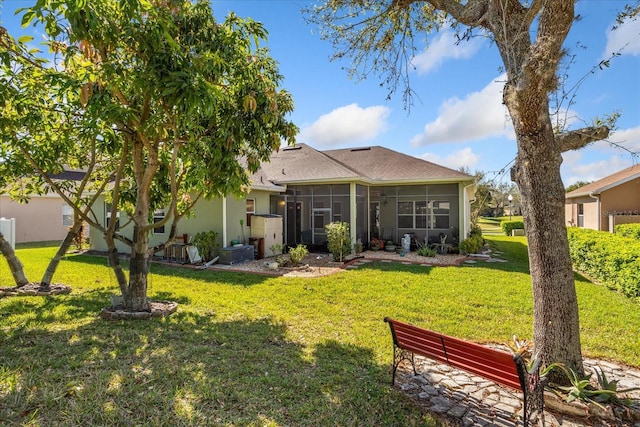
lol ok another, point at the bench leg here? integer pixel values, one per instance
(398, 356)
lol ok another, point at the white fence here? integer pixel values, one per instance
(8, 230)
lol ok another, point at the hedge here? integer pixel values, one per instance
(507, 226)
(628, 230)
(610, 259)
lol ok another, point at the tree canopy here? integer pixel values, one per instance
(183, 107)
(379, 37)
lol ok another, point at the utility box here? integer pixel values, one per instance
(8, 230)
(269, 228)
(230, 255)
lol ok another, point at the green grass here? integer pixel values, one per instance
(251, 350)
(491, 225)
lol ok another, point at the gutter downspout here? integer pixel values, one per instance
(224, 221)
(597, 198)
(466, 220)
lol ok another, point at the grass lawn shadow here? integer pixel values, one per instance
(191, 369)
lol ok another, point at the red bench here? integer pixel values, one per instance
(495, 365)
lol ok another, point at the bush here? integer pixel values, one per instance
(507, 226)
(297, 254)
(628, 230)
(426, 251)
(472, 244)
(609, 259)
(338, 240)
(207, 244)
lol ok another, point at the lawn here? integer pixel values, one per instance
(491, 225)
(251, 350)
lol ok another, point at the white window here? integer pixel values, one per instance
(580, 215)
(107, 216)
(157, 217)
(67, 215)
(251, 210)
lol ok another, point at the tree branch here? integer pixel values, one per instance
(580, 138)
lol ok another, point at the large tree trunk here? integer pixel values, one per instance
(556, 323)
(145, 165)
(136, 297)
(14, 263)
(531, 75)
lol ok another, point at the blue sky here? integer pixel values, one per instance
(457, 118)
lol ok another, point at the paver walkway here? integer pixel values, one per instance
(469, 400)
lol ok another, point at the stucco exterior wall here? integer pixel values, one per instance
(620, 201)
(208, 216)
(37, 221)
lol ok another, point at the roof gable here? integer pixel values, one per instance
(607, 182)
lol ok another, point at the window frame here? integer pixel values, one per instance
(250, 212)
(67, 215)
(158, 215)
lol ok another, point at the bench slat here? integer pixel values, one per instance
(489, 363)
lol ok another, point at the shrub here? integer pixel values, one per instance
(426, 251)
(609, 259)
(297, 254)
(628, 230)
(472, 244)
(338, 240)
(207, 244)
(507, 226)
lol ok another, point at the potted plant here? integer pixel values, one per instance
(376, 244)
(389, 246)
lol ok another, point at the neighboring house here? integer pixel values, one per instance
(44, 218)
(607, 202)
(379, 192)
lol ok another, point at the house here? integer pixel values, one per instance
(44, 218)
(603, 204)
(379, 192)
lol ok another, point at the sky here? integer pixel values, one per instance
(457, 118)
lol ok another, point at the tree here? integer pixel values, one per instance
(15, 266)
(576, 185)
(378, 37)
(45, 130)
(195, 106)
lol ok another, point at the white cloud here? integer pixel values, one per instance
(627, 138)
(349, 124)
(480, 115)
(589, 172)
(442, 48)
(456, 160)
(625, 37)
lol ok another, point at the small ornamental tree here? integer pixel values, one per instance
(338, 240)
(194, 107)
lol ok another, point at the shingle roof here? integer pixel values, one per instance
(304, 164)
(607, 182)
(382, 164)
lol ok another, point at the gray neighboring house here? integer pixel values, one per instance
(379, 192)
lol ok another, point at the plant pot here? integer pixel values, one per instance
(375, 248)
(390, 248)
